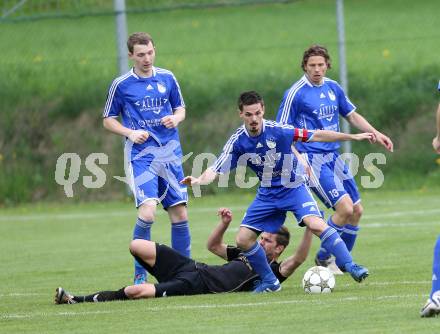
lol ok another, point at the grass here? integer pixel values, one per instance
(83, 247)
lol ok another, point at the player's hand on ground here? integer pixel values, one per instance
(170, 121)
(384, 141)
(138, 136)
(225, 215)
(190, 181)
(436, 144)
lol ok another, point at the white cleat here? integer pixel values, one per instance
(432, 306)
(331, 265)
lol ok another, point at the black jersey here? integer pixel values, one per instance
(236, 275)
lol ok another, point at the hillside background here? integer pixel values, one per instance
(59, 57)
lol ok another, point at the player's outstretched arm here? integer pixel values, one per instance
(360, 123)
(289, 265)
(136, 136)
(215, 242)
(206, 178)
(332, 136)
(436, 140)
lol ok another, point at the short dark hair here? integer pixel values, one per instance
(316, 50)
(138, 38)
(283, 236)
(249, 98)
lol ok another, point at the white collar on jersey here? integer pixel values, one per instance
(262, 130)
(306, 79)
(138, 77)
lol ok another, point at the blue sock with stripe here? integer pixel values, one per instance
(181, 238)
(332, 243)
(436, 268)
(142, 230)
(323, 254)
(349, 235)
(257, 258)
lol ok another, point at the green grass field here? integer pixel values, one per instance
(83, 247)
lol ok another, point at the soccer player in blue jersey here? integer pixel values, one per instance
(265, 147)
(315, 102)
(151, 106)
(432, 306)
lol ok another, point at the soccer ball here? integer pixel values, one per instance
(318, 280)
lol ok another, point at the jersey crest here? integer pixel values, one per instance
(331, 95)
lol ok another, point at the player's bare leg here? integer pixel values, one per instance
(145, 250)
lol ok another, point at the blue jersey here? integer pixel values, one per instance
(307, 106)
(143, 102)
(269, 154)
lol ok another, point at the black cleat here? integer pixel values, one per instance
(63, 297)
(322, 263)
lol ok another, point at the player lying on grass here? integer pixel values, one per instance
(179, 275)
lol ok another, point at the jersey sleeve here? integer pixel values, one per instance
(114, 104)
(345, 105)
(232, 252)
(275, 266)
(287, 109)
(228, 159)
(176, 98)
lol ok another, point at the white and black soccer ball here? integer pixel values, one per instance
(318, 280)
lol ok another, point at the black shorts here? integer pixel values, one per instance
(176, 274)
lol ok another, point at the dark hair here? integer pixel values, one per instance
(249, 98)
(138, 38)
(316, 50)
(283, 236)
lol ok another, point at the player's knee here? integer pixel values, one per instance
(315, 224)
(358, 210)
(345, 211)
(146, 216)
(243, 242)
(146, 212)
(135, 247)
(178, 213)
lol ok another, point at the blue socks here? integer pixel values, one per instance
(142, 230)
(257, 258)
(333, 244)
(349, 235)
(181, 238)
(436, 268)
(323, 254)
